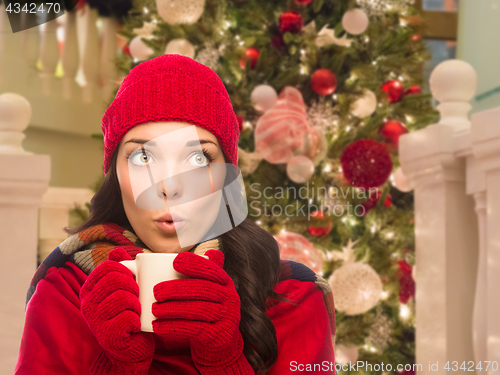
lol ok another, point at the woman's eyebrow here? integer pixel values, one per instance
(141, 141)
(199, 142)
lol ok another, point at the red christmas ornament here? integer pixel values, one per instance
(409, 372)
(393, 129)
(372, 201)
(416, 37)
(366, 163)
(278, 41)
(323, 81)
(291, 22)
(126, 50)
(413, 90)
(321, 225)
(240, 123)
(302, 2)
(406, 282)
(388, 201)
(251, 54)
(394, 90)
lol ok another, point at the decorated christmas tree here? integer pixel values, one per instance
(323, 90)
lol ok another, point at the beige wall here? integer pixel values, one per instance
(478, 36)
(76, 160)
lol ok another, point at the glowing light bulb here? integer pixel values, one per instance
(146, 10)
(404, 311)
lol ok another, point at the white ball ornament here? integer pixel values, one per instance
(300, 169)
(365, 105)
(356, 287)
(139, 50)
(453, 81)
(401, 182)
(180, 11)
(15, 116)
(355, 21)
(180, 47)
(346, 354)
(263, 97)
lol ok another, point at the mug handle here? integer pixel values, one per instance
(131, 265)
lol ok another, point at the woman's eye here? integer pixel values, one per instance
(140, 158)
(198, 160)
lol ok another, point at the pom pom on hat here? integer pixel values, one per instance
(171, 87)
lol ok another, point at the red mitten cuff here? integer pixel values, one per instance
(239, 367)
(107, 365)
(217, 357)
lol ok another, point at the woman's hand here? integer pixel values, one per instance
(204, 308)
(110, 305)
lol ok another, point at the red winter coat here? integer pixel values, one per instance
(57, 340)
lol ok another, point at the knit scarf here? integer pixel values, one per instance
(90, 247)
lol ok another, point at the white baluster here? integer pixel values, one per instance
(91, 60)
(30, 44)
(4, 29)
(24, 179)
(486, 147)
(446, 228)
(49, 53)
(479, 322)
(70, 54)
(108, 53)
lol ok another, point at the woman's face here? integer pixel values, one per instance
(197, 215)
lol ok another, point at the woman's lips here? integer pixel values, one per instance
(169, 227)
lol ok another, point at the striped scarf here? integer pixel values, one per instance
(90, 247)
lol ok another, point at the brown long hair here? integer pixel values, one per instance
(252, 260)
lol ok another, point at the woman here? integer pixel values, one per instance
(242, 310)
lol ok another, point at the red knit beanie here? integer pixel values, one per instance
(171, 88)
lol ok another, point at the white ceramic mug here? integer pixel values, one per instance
(150, 269)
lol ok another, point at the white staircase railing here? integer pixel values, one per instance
(64, 68)
(454, 167)
(24, 178)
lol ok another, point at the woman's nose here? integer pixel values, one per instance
(170, 188)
